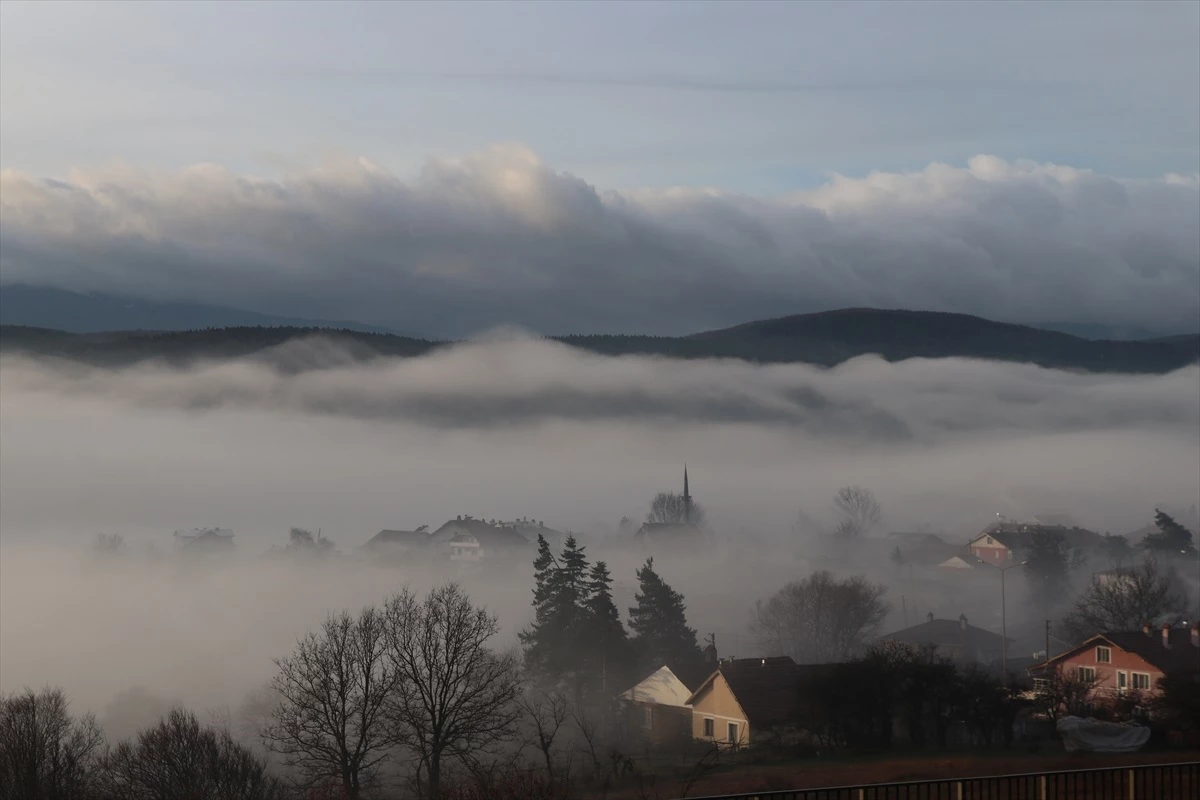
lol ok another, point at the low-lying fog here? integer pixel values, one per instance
(504, 429)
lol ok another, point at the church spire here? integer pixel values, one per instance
(687, 498)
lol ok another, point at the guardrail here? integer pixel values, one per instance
(1179, 781)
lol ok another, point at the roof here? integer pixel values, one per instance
(419, 538)
(1017, 535)
(922, 548)
(661, 687)
(767, 689)
(956, 562)
(495, 536)
(947, 632)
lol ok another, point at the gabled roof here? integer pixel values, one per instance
(1016, 535)
(407, 538)
(661, 687)
(495, 536)
(947, 632)
(766, 689)
(1181, 656)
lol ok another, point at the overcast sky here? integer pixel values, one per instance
(599, 109)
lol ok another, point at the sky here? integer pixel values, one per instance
(442, 169)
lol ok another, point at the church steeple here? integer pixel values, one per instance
(687, 498)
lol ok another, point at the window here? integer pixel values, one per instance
(989, 540)
(1122, 681)
(1141, 681)
(1103, 655)
(647, 717)
(709, 727)
(1087, 673)
(1041, 684)
(733, 732)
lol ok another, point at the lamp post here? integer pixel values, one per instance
(1004, 617)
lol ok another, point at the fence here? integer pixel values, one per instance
(1149, 782)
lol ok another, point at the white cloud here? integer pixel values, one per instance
(500, 237)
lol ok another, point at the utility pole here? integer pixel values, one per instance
(1047, 658)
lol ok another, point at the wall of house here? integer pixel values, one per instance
(994, 553)
(1106, 674)
(717, 702)
(668, 724)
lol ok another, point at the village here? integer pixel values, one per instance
(1043, 669)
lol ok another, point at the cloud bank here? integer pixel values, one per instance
(499, 237)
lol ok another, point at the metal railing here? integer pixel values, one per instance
(1179, 781)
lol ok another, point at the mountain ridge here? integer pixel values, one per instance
(824, 338)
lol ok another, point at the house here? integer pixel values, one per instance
(532, 529)
(921, 549)
(1124, 662)
(393, 543)
(656, 709)
(956, 563)
(956, 639)
(468, 539)
(204, 540)
(1002, 542)
(745, 699)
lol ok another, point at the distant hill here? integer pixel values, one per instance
(58, 309)
(827, 338)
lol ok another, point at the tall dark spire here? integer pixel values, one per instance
(687, 498)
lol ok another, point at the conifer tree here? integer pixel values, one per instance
(1171, 537)
(659, 625)
(605, 644)
(552, 642)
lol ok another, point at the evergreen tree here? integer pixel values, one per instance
(659, 625)
(1047, 565)
(552, 643)
(606, 646)
(1171, 537)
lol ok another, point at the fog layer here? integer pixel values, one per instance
(506, 429)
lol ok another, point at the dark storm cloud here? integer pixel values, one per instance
(499, 237)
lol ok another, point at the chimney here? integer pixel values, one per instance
(962, 621)
(1166, 634)
(1196, 634)
(1146, 629)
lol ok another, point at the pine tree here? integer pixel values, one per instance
(552, 643)
(1171, 538)
(605, 645)
(659, 625)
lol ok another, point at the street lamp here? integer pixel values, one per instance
(1004, 616)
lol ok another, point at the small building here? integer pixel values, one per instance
(205, 540)
(396, 543)
(1126, 662)
(956, 563)
(743, 700)
(468, 539)
(1001, 542)
(921, 549)
(656, 709)
(956, 639)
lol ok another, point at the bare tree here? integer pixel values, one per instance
(109, 543)
(329, 722)
(820, 619)
(1059, 692)
(179, 759)
(45, 752)
(670, 508)
(858, 509)
(453, 698)
(546, 712)
(1124, 599)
